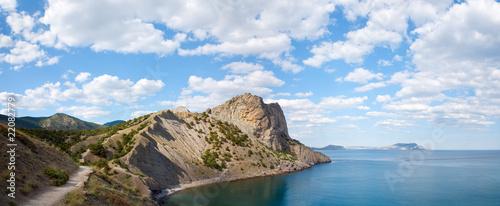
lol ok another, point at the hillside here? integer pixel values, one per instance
(57, 121)
(175, 148)
(31, 158)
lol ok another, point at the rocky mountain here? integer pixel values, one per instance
(176, 148)
(57, 121)
(113, 123)
(398, 146)
(329, 147)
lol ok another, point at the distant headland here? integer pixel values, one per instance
(398, 146)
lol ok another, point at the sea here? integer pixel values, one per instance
(367, 177)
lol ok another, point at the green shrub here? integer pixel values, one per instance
(97, 149)
(59, 178)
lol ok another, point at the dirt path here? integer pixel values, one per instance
(53, 194)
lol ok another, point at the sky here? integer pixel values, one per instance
(345, 72)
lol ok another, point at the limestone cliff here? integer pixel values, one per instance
(175, 148)
(265, 122)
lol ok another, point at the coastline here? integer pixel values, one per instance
(222, 179)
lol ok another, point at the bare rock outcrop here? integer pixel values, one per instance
(265, 122)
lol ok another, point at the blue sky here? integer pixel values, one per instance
(352, 73)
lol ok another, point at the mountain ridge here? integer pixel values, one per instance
(174, 148)
(58, 121)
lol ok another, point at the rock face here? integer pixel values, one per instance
(176, 148)
(265, 122)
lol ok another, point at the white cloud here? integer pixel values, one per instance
(35, 99)
(283, 94)
(8, 5)
(84, 111)
(381, 114)
(102, 90)
(329, 70)
(370, 86)
(456, 76)
(205, 93)
(5, 41)
(242, 67)
(363, 107)
(397, 58)
(383, 98)
(22, 53)
(263, 28)
(351, 118)
(83, 76)
(393, 124)
(140, 113)
(122, 29)
(66, 74)
(301, 94)
(328, 51)
(305, 112)
(347, 128)
(362, 76)
(340, 102)
(265, 47)
(20, 22)
(386, 26)
(383, 62)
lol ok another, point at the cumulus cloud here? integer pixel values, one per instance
(8, 5)
(383, 98)
(456, 76)
(304, 111)
(362, 76)
(264, 28)
(23, 52)
(370, 86)
(387, 22)
(393, 124)
(242, 67)
(204, 93)
(381, 114)
(102, 90)
(5, 41)
(83, 76)
(84, 111)
(301, 94)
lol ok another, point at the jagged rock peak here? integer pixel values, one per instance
(265, 122)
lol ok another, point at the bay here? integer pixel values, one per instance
(367, 177)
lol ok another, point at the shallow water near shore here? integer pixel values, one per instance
(367, 177)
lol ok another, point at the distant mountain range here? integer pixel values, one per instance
(398, 146)
(57, 121)
(329, 147)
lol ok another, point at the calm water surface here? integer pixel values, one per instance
(368, 177)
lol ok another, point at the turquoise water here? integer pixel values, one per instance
(368, 177)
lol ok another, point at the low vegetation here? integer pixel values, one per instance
(58, 178)
(102, 190)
